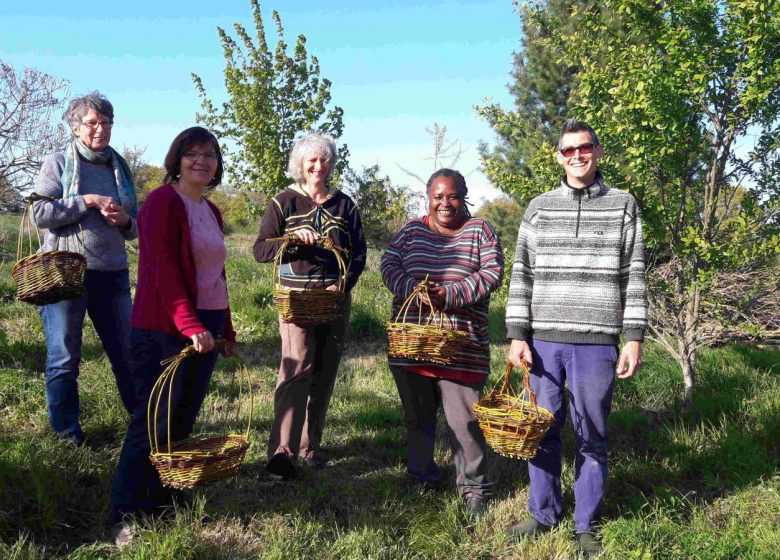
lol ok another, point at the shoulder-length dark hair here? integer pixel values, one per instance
(182, 144)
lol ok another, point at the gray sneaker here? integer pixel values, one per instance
(477, 506)
(530, 527)
(589, 544)
(123, 534)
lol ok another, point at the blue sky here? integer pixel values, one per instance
(396, 67)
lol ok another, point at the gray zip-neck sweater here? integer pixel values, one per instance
(104, 244)
(579, 270)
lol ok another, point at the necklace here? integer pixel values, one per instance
(446, 233)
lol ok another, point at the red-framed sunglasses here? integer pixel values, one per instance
(583, 149)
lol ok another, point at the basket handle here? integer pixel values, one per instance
(506, 385)
(27, 220)
(166, 381)
(324, 242)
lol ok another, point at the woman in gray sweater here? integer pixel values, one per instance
(90, 189)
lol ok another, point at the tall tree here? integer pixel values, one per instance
(687, 100)
(384, 207)
(29, 105)
(272, 97)
(542, 82)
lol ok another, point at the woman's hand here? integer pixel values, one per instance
(113, 214)
(332, 288)
(203, 342)
(307, 236)
(229, 349)
(437, 295)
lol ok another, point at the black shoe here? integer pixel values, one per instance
(589, 544)
(76, 439)
(280, 467)
(477, 506)
(530, 527)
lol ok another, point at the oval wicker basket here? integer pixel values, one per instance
(428, 340)
(49, 276)
(197, 460)
(513, 425)
(309, 306)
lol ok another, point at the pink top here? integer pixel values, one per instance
(209, 253)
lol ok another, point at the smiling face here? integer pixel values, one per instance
(580, 168)
(315, 169)
(446, 207)
(94, 130)
(198, 165)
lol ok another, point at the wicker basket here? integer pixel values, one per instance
(50, 276)
(308, 306)
(513, 425)
(428, 340)
(198, 460)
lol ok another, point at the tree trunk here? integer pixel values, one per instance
(689, 378)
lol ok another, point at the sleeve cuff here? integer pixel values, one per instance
(518, 333)
(635, 335)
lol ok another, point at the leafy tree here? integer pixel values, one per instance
(272, 97)
(384, 208)
(505, 215)
(146, 176)
(28, 129)
(541, 86)
(686, 98)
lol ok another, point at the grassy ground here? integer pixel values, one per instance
(701, 484)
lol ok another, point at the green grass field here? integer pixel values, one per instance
(702, 484)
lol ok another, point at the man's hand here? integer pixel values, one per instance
(630, 359)
(519, 351)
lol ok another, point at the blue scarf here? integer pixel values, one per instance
(122, 174)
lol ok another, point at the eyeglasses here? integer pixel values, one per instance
(208, 156)
(93, 125)
(584, 149)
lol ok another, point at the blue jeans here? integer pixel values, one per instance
(589, 370)
(107, 300)
(136, 488)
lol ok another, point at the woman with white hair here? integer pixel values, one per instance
(89, 191)
(309, 209)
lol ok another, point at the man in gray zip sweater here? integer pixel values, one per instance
(577, 283)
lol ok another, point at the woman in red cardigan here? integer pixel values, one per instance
(181, 298)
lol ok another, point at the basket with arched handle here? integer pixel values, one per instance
(308, 306)
(430, 339)
(201, 459)
(513, 424)
(50, 276)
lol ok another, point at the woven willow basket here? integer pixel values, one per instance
(513, 425)
(50, 276)
(309, 306)
(198, 460)
(428, 340)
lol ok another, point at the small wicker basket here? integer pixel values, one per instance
(428, 340)
(313, 305)
(197, 460)
(50, 276)
(513, 425)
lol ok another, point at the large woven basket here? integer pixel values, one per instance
(427, 340)
(313, 305)
(513, 425)
(50, 276)
(197, 460)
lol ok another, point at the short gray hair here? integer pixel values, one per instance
(83, 103)
(308, 144)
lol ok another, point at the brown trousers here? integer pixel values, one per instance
(310, 359)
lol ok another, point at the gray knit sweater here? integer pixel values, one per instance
(579, 270)
(104, 244)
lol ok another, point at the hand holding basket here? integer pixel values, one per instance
(313, 305)
(427, 340)
(50, 276)
(198, 460)
(513, 425)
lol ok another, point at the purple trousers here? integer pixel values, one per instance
(589, 370)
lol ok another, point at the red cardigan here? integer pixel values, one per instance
(167, 292)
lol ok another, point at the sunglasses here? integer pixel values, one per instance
(583, 149)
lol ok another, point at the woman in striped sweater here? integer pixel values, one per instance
(462, 259)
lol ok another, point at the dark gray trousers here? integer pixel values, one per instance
(421, 397)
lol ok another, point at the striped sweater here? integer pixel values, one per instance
(310, 266)
(470, 266)
(579, 270)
